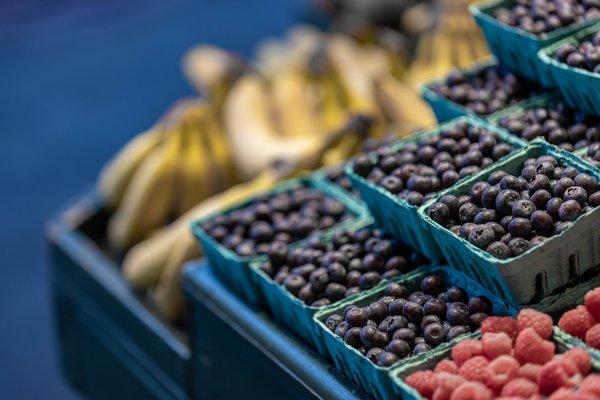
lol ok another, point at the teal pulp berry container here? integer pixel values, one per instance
(516, 48)
(397, 216)
(580, 88)
(538, 272)
(293, 312)
(233, 269)
(402, 391)
(445, 109)
(375, 379)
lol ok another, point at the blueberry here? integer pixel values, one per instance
(413, 312)
(488, 197)
(499, 250)
(569, 210)
(456, 294)
(481, 236)
(476, 319)
(466, 229)
(342, 328)
(374, 354)
(386, 359)
(540, 198)
(333, 321)
(421, 348)
(392, 323)
(356, 317)
(510, 182)
(467, 212)
(457, 314)
(587, 182)
(553, 207)
(352, 337)
(539, 182)
(484, 216)
(576, 193)
(371, 337)
(429, 319)
(399, 347)
(293, 283)
(542, 221)
(518, 246)
(377, 311)
(396, 307)
(439, 212)
(432, 285)
(435, 307)
(434, 334)
(520, 227)
(506, 200)
(369, 280)
(480, 304)
(396, 290)
(498, 230)
(456, 331)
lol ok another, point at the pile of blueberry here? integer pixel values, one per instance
(401, 324)
(508, 214)
(284, 218)
(337, 175)
(320, 273)
(486, 90)
(593, 154)
(585, 56)
(543, 16)
(418, 170)
(558, 124)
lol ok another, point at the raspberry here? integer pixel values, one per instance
(530, 318)
(554, 375)
(580, 358)
(591, 384)
(592, 303)
(507, 325)
(422, 381)
(519, 387)
(471, 391)
(530, 371)
(576, 322)
(475, 369)
(502, 370)
(571, 394)
(447, 366)
(531, 348)
(592, 337)
(465, 350)
(495, 344)
(445, 383)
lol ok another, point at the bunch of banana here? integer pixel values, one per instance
(164, 172)
(454, 41)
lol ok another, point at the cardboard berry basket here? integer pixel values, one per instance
(516, 48)
(581, 88)
(444, 108)
(111, 344)
(373, 378)
(397, 216)
(293, 312)
(402, 391)
(233, 269)
(538, 272)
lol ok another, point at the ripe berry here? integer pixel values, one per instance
(592, 303)
(465, 350)
(576, 322)
(592, 336)
(531, 348)
(496, 344)
(530, 318)
(507, 325)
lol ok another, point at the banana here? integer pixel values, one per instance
(148, 201)
(116, 175)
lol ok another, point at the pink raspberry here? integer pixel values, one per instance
(592, 337)
(580, 358)
(591, 384)
(520, 387)
(531, 348)
(556, 374)
(466, 349)
(592, 303)
(530, 318)
(530, 371)
(495, 344)
(471, 391)
(445, 383)
(571, 394)
(422, 381)
(502, 370)
(507, 325)
(447, 366)
(576, 322)
(475, 369)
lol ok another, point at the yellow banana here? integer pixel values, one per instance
(148, 201)
(116, 175)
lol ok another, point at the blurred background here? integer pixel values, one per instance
(79, 79)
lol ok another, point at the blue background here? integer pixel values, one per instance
(77, 80)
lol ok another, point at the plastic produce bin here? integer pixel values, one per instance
(111, 344)
(516, 48)
(536, 273)
(375, 379)
(404, 392)
(400, 218)
(581, 88)
(234, 270)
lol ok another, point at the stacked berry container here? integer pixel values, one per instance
(565, 244)
(482, 90)
(395, 182)
(573, 63)
(402, 321)
(299, 281)
(516, 30)
(289, 213)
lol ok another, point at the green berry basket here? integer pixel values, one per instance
(580, 88)
(375, 379)
(321, 174)
(405, 392)
(538, 272)
(446, 109)
(293, 312)
(516, 48)
(400, 218)
(233, 269)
